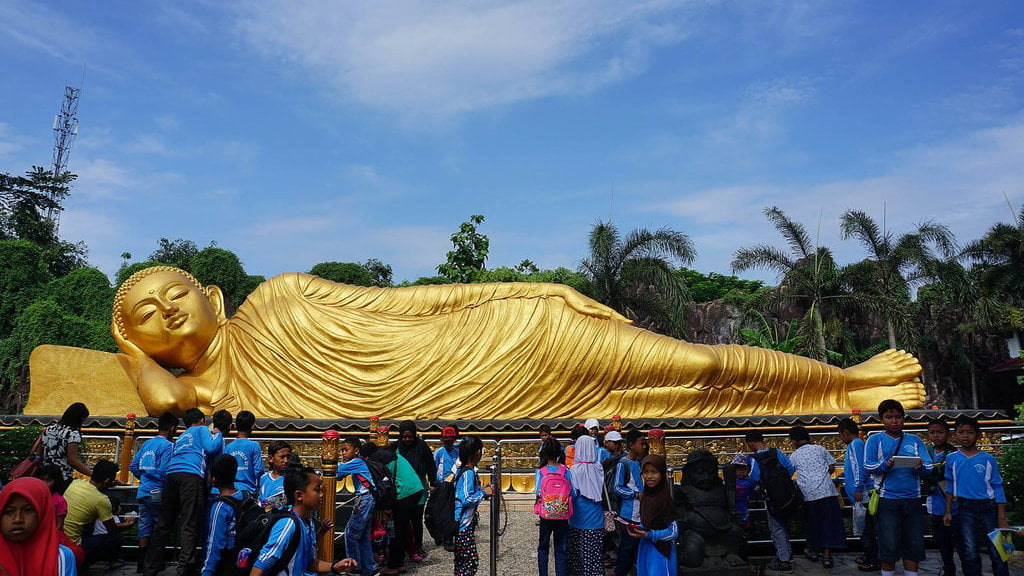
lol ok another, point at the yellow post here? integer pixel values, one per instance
(617, 422)
(126, 448)
(656, 440)
(329, 470)
(374, 427)
(857, 419)
(382, 436)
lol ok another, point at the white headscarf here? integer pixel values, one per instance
(587, 475)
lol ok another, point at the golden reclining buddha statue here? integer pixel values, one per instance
(304, 347)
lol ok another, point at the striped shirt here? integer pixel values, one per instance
(974, 477)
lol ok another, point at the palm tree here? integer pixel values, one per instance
(894, 265)
(999, 255)
(809, 275)
(635, 275)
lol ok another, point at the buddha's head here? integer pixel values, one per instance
(168, 315)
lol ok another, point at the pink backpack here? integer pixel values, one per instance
(555, 500)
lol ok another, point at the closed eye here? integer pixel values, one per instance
(179, 295)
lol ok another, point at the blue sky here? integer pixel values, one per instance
(299, 132)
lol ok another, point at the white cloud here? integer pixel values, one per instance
(10, 141)
(431, 60)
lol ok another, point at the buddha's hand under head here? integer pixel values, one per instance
(125, 345)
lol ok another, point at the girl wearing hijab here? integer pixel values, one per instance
(586, 525)
(656, 555)
(29, 545)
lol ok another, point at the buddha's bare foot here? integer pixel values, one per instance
(885, 369)
(910, 394)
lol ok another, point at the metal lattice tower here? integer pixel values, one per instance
(65, 128)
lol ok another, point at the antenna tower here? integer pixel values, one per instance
(65, 128)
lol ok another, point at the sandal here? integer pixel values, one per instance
(862, 560)
(811, 555)
(827, 563)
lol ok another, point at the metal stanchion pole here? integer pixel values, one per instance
(495, 508)
(329, 467)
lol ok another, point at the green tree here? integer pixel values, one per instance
(810, 276)
(213, 265)
(999, 256)
(178, 253)
(24, 201)
(470, 253)
(23, 274)
(344, 272)
(894, 265)
(713, 286)
(635, 276)
(381, 272)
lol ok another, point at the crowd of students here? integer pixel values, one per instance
(201, 486)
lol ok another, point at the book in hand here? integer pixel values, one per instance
(905, 461)
(1002, 539)
(626, 522)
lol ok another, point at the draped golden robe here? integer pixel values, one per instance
(300, 346)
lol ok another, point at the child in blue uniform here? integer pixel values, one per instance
(247, 452)
(149, 465)
(184, 495)
(304, 492)
(358, 543)
(221, 528)
(657, 532)
(973, 480)
(899, 517)
(468, 495)
(271, 484)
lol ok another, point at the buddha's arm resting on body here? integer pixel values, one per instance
(446, 298)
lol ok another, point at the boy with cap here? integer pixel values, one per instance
(446, 458)
(612, 446)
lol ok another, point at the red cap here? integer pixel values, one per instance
(448, 432)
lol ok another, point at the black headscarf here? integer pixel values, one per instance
(656, 508)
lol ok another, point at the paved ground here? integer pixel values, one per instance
(518, 556)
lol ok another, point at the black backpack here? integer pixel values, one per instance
(610, 467)
(252, 531)
(384, 490)
(782, 494)
(439, 511)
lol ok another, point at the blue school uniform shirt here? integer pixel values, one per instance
(468, 496)
(150, 463)
(603, 454)
(250, 463)
(271, 491)
(855, 476)
(360, 473)
(281, 534)
(445, 462)
(192, 450)
(586, 513)
(220, 532)
(65, 560)
(627, 486)
(651, 562)
(900, 483)
(974, 477)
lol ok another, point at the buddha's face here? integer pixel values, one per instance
(169, 318)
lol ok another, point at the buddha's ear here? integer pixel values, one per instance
(216, 298)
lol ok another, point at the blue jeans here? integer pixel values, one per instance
(149, 515)
(900, 523)
(974, 519)
(780, 538)
(559, 529)
(357, 534)
(944, 537)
